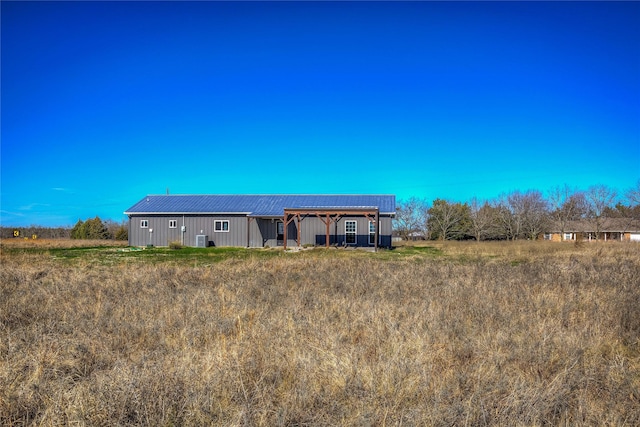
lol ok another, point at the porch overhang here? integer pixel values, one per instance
(329, 214)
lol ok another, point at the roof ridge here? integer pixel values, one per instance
(274, 194)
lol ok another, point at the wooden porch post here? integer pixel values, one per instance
(328, 223)
(286, 218)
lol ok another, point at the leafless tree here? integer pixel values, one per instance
(599, 198)
(482, 220)
(535, 214)
(633, 196)
(410, 217)
(520, 214)
(505, 219)
(566, 205)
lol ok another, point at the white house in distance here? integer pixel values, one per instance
(262, 220)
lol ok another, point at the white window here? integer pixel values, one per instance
(144, 223)
(173, 223)
(350, 229)
(568, 236)
(372, 233)
(221, 225)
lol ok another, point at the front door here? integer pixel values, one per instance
(280, 233)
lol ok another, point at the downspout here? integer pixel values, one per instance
(377, 230)
(182, 231)
(248, 233)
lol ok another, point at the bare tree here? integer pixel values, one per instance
(535, 214)
(599, 198)
(633, 197)
(509, 211)
(520, 214)
(410, 217)
(504, 219)
(482, 219)
(566, 205)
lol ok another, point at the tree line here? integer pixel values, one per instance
(93, 228)
(96, 229)
(515, 215)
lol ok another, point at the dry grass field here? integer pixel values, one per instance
(448, 334)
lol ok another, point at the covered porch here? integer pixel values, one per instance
(329, 216)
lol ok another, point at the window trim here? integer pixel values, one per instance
(221, 222)
(144, 223)
(353, 233)
(173, 223)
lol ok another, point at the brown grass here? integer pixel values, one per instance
(484, 335)
(58, 243)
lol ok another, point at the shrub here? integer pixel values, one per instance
(175, 245)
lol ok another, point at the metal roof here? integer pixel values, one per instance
(256, 205)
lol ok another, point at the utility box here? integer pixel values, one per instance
(202, 241)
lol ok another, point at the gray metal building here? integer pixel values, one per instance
(262, 220)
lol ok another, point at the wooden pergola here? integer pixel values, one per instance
(327, 216)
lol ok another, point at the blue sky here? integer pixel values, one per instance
(105, 102)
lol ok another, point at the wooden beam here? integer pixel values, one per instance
(330, 215)
(286, 216)
(287, 221)
(332, 211)
(328, 224)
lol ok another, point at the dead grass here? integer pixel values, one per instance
(483, 335)
(57, 243)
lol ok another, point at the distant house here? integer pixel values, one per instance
(621, 229)
(262, 220)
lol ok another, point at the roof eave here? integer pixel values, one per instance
(187, 213)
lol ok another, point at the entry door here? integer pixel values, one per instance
(280, 232)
